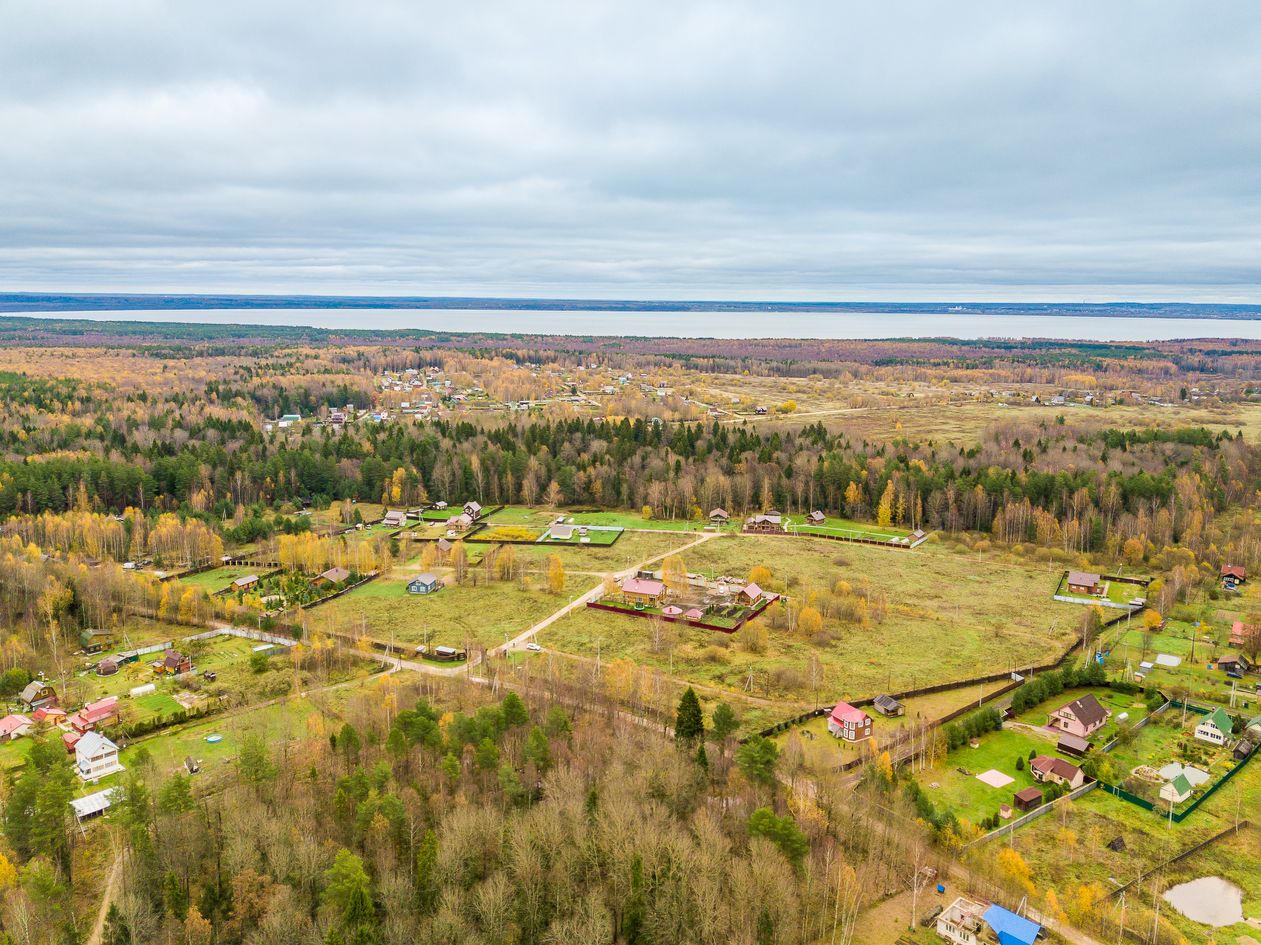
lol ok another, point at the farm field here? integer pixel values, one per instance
(950, 616)
(454, 616)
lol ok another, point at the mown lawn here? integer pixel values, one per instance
(1117, 703)
(846, 528)
(950, 788)
(216, 579)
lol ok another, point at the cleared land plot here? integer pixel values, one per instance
(954, 785)
(630, 549)
(951, 616)
(847, 528)
(820, 750)
(217, 579)
(517, 514)
(1204, 684)
(1167, 739)
(594, 536)
(1117, 703)
(510, 533)
(453, 616)
(1116, 592)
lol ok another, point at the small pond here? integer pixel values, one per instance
(1209, 900)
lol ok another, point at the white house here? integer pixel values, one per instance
(14, 726)
(95, 756)
(960, 922)
(1215, 728)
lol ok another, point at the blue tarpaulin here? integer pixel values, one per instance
(1010, 928)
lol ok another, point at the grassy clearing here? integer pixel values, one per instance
(950, 616)
(952, 784)
(630, 549)
(217, 579)
(454, 616)
(522, 515)
(846, 528)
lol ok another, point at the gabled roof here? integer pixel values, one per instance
(844, 712)
(886, 702)
(1057, 766)
(93, 744)
(1086, 710)
(1237, 571)
(1221, 720)
(751, 591)
(11, 723)
(33, 689)
(425, 578)
(647, 586)
(1181, 784)
(1089, 578)
(1010, 928)
(335, 575)
(1024, 795)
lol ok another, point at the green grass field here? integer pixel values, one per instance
(846, 528)
(598, 538)
(453, 616)
(217, 579)
(522, 515)
(950, 616)
(950, 788)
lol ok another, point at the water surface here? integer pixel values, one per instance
(769, 324)
(1209, 900)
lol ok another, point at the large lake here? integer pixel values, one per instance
(768, 324)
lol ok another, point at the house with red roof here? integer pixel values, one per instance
(1056, 771)
(1240, 632)
(14, 726)
(640, 590)
(94, 715)
(52, 714)
(1233, 575)
(849, 723)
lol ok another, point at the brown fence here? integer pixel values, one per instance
(596, 605)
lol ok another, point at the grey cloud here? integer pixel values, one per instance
(746, 150)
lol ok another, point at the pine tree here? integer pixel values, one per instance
(689, 724)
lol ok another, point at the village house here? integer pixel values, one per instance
(1241, 632)
(640, 590)
(1084, 582)
(960, 922)
(460, 523)
(561, 533)
(94, 641)
(331, 576)
(52, 714)
(1081, 717)
(36, 694)
(424, 584)
(245, 583)
(473, 510)
(765, 523)
(94, 715)
(719, 516)
(394, 519)
(816, 518)
(1233, 575)
(888, 706)
(750, 594)
(1215, 728)
(96, 757)
(1235, 664)
(1177, 790)
(1050, 770)
(849, 723)
(14, 726)
(91, 805)
(173, 663)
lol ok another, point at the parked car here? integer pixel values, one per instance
(533, 647)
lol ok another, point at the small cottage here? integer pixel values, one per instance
(1233, 575)
(719, 516)
(173, 663)
(816, 518)
(14, 726)
(1050, 770)
(424, 584)
(1084, 582)
(37, 693)
(473, 510)
(94, 641)
(639, 590)
(245, 583)
(396, 518)
(888, 706)
(1177, 790)
(331, 577)
(1027, 799)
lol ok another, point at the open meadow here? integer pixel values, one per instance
(949, 616)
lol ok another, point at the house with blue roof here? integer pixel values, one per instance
(1011, 929)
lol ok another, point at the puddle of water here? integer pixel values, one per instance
(1209, 900)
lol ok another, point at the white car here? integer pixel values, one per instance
(534, 647)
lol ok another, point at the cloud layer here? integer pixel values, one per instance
(733, 150)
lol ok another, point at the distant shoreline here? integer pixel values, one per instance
(35, 303)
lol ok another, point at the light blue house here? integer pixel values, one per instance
(424, 584)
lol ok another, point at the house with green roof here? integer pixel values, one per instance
(1215, 728)
(1177, 790)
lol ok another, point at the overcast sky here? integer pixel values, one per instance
(727, 150)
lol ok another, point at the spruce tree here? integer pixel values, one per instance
(689, 724)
